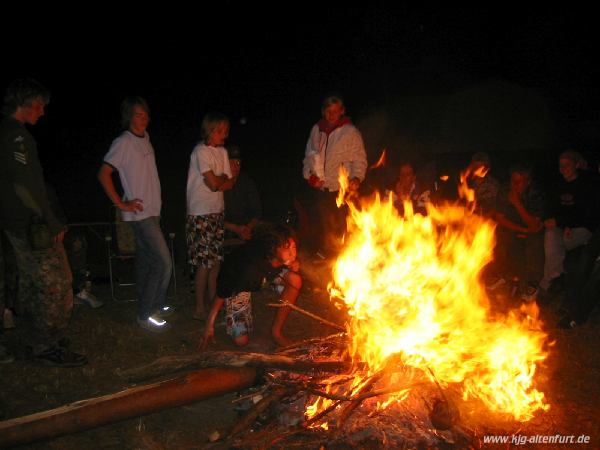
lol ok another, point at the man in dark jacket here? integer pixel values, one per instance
(33, 230)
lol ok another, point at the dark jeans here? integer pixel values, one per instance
(322, 223)
(520, 256)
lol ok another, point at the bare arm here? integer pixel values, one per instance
(534, 224)
(105, 179)
(243, 231)
(218, 182)
(503, 221)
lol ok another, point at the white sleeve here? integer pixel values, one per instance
(312, 149)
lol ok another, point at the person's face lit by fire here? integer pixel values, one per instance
(333, 113)
(567, 168)
(287, 252)
(139, 120)
(33, 111)
(219, 134)
(519, 182)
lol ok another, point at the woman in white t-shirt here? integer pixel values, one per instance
(208, 176)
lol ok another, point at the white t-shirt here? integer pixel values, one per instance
(200, 199)
(133, 157)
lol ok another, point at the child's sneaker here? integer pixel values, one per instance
(86, 297)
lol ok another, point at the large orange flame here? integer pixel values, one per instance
(411, 285)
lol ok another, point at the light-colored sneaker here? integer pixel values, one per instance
(165, 311)
(87, 298)
(154, 324)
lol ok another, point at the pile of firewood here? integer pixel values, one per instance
(275, 415)
(275, 391)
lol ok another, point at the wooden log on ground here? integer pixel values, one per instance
(169, 364)
(132, 402)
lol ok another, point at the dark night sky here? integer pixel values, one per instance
(273, 68)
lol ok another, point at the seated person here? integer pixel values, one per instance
(408, 188)
(76, 248)
(573, 215)
(485, 186)
(520, 250)
(242, 202)
(582, 284)
(270, 254)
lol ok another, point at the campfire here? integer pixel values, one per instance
(424, 361)
(429, 360)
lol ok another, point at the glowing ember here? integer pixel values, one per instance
(411, 286)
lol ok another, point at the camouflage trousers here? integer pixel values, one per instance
(76, 246)
(45, 294)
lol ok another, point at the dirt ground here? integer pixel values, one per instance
(111, 339)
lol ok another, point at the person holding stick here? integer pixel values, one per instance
(270, 255)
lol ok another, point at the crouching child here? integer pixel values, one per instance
(270, 255)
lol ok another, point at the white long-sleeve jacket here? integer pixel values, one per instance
(325, 154)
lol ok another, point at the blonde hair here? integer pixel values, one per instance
(210, 122)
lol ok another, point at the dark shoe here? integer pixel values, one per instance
(543, 297)
(60, 357)
(5, 356)
(566, 323)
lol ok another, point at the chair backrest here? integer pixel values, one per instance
(124, 235)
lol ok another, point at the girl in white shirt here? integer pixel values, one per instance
(208, 176)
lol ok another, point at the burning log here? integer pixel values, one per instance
(349, 407)
(132, 402)
(228, 359)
